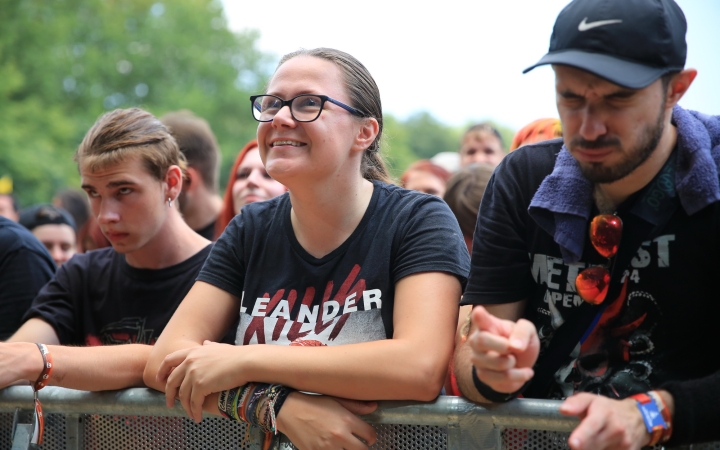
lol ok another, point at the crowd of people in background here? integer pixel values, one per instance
(554, 266)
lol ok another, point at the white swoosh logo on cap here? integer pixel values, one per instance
(584, 26)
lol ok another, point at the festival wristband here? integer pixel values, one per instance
(41, 382)
(665, 413)
(44, 377)
(226, 401)
(491, 394)
(653, 418)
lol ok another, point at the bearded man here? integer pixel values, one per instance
(595, 255)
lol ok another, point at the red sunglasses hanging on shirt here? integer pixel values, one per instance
(592, 283)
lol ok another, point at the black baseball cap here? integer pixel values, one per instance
(35, 216)
(631, 43)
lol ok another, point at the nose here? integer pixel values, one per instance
(284, 118)
(57, 255)
(107, 212)
(255, 178)
(593, 125)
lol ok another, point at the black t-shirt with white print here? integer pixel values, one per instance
(662, 328)
(97, 298)
(289, 296)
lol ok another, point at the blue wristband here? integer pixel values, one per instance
(652, 416)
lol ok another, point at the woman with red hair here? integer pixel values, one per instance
(537, 131)
(424, 176)
(248, 182)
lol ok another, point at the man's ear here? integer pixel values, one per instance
(679, 84)
(367, 133)
(173, 181)
(192, 179)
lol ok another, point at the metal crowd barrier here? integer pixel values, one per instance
(139, 419)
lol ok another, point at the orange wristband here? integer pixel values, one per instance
(44, 377)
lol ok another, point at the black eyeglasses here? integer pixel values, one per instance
(303, 108)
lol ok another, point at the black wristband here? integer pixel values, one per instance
(490, 393)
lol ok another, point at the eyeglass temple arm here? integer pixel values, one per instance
(347, 108)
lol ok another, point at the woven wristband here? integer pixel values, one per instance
(226, 401)
(491, 394)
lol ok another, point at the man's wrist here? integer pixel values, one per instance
(31, 360)
(491, 394)
(655, 415)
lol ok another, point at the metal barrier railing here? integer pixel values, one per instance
(138, 418)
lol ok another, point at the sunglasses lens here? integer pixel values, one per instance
(605, 233)
(592, 284)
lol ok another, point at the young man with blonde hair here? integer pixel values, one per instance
(132, 171)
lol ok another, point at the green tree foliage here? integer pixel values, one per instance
(65, 62)
(395, 146)
(427, 136)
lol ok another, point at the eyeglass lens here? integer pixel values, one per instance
(605, 233)
(304, 108)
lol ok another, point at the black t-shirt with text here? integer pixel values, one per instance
(25, 267)
(97, 298)
(663, 325)
(289, 296)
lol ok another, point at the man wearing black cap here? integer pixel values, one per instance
(595, 255)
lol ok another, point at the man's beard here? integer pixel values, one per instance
(597, 173)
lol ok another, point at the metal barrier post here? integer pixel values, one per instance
(75, 432)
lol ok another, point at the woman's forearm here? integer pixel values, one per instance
(378, 370)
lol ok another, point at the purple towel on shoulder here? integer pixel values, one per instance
(562, 204)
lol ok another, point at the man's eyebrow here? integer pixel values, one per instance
(622, 93)
(567, 93)
(117, 183)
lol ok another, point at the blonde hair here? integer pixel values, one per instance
(119, 135)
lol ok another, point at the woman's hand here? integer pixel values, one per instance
(194, 373)
(320, 422)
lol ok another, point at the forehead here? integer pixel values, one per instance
(422, 176)
(55, 232)
(131, 169)
(307, 74)
(251, 159)
(567, 77)
(480, 137)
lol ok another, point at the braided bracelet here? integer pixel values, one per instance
(247, 403)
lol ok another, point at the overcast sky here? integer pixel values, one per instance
(431, 56)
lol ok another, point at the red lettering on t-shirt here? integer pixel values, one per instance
(257, 324)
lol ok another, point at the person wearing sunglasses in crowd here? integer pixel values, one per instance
(336, 282)
(595, 256)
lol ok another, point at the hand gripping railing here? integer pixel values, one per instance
(138, 418)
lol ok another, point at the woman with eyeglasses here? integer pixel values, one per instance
(346, 286)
